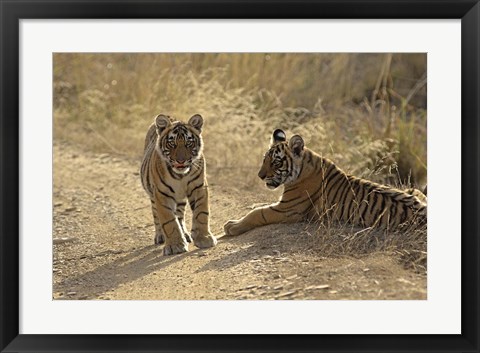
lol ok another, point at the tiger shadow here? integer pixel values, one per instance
(273, 242)
(136, 264)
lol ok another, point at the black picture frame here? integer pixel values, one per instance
(12, 11)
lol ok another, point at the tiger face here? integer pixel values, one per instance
(281, 163)
(179, 144)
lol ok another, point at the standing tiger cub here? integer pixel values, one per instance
(316, 187)
(172, 172)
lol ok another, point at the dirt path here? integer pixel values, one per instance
(103, 246)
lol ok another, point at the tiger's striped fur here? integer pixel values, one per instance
(316, 187)
(172, 173)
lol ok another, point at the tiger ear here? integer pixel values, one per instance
(162, 122)
(296, 144)
(196, 121)
(279, 136)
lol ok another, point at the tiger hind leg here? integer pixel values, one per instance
(420, 195)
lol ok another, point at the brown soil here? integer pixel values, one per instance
(103, 246)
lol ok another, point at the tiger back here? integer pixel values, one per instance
(314, 187)
(172, 174)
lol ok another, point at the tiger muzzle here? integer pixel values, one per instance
(261, 174)
(180, 157)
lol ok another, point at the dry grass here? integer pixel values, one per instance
(367, 112)
(354, 108)
(409, 246)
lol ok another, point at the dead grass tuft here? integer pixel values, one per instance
(409, 245)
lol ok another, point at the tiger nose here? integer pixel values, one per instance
(180, 161)
(262, 174)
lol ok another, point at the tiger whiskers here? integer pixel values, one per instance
(195, 166)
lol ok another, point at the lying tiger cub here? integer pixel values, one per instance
(315, 186)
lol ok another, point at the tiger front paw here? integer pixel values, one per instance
(159, 239)
(177, 248)
(204, 241)
(233, 227)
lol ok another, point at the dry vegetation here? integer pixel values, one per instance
(367, 112)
